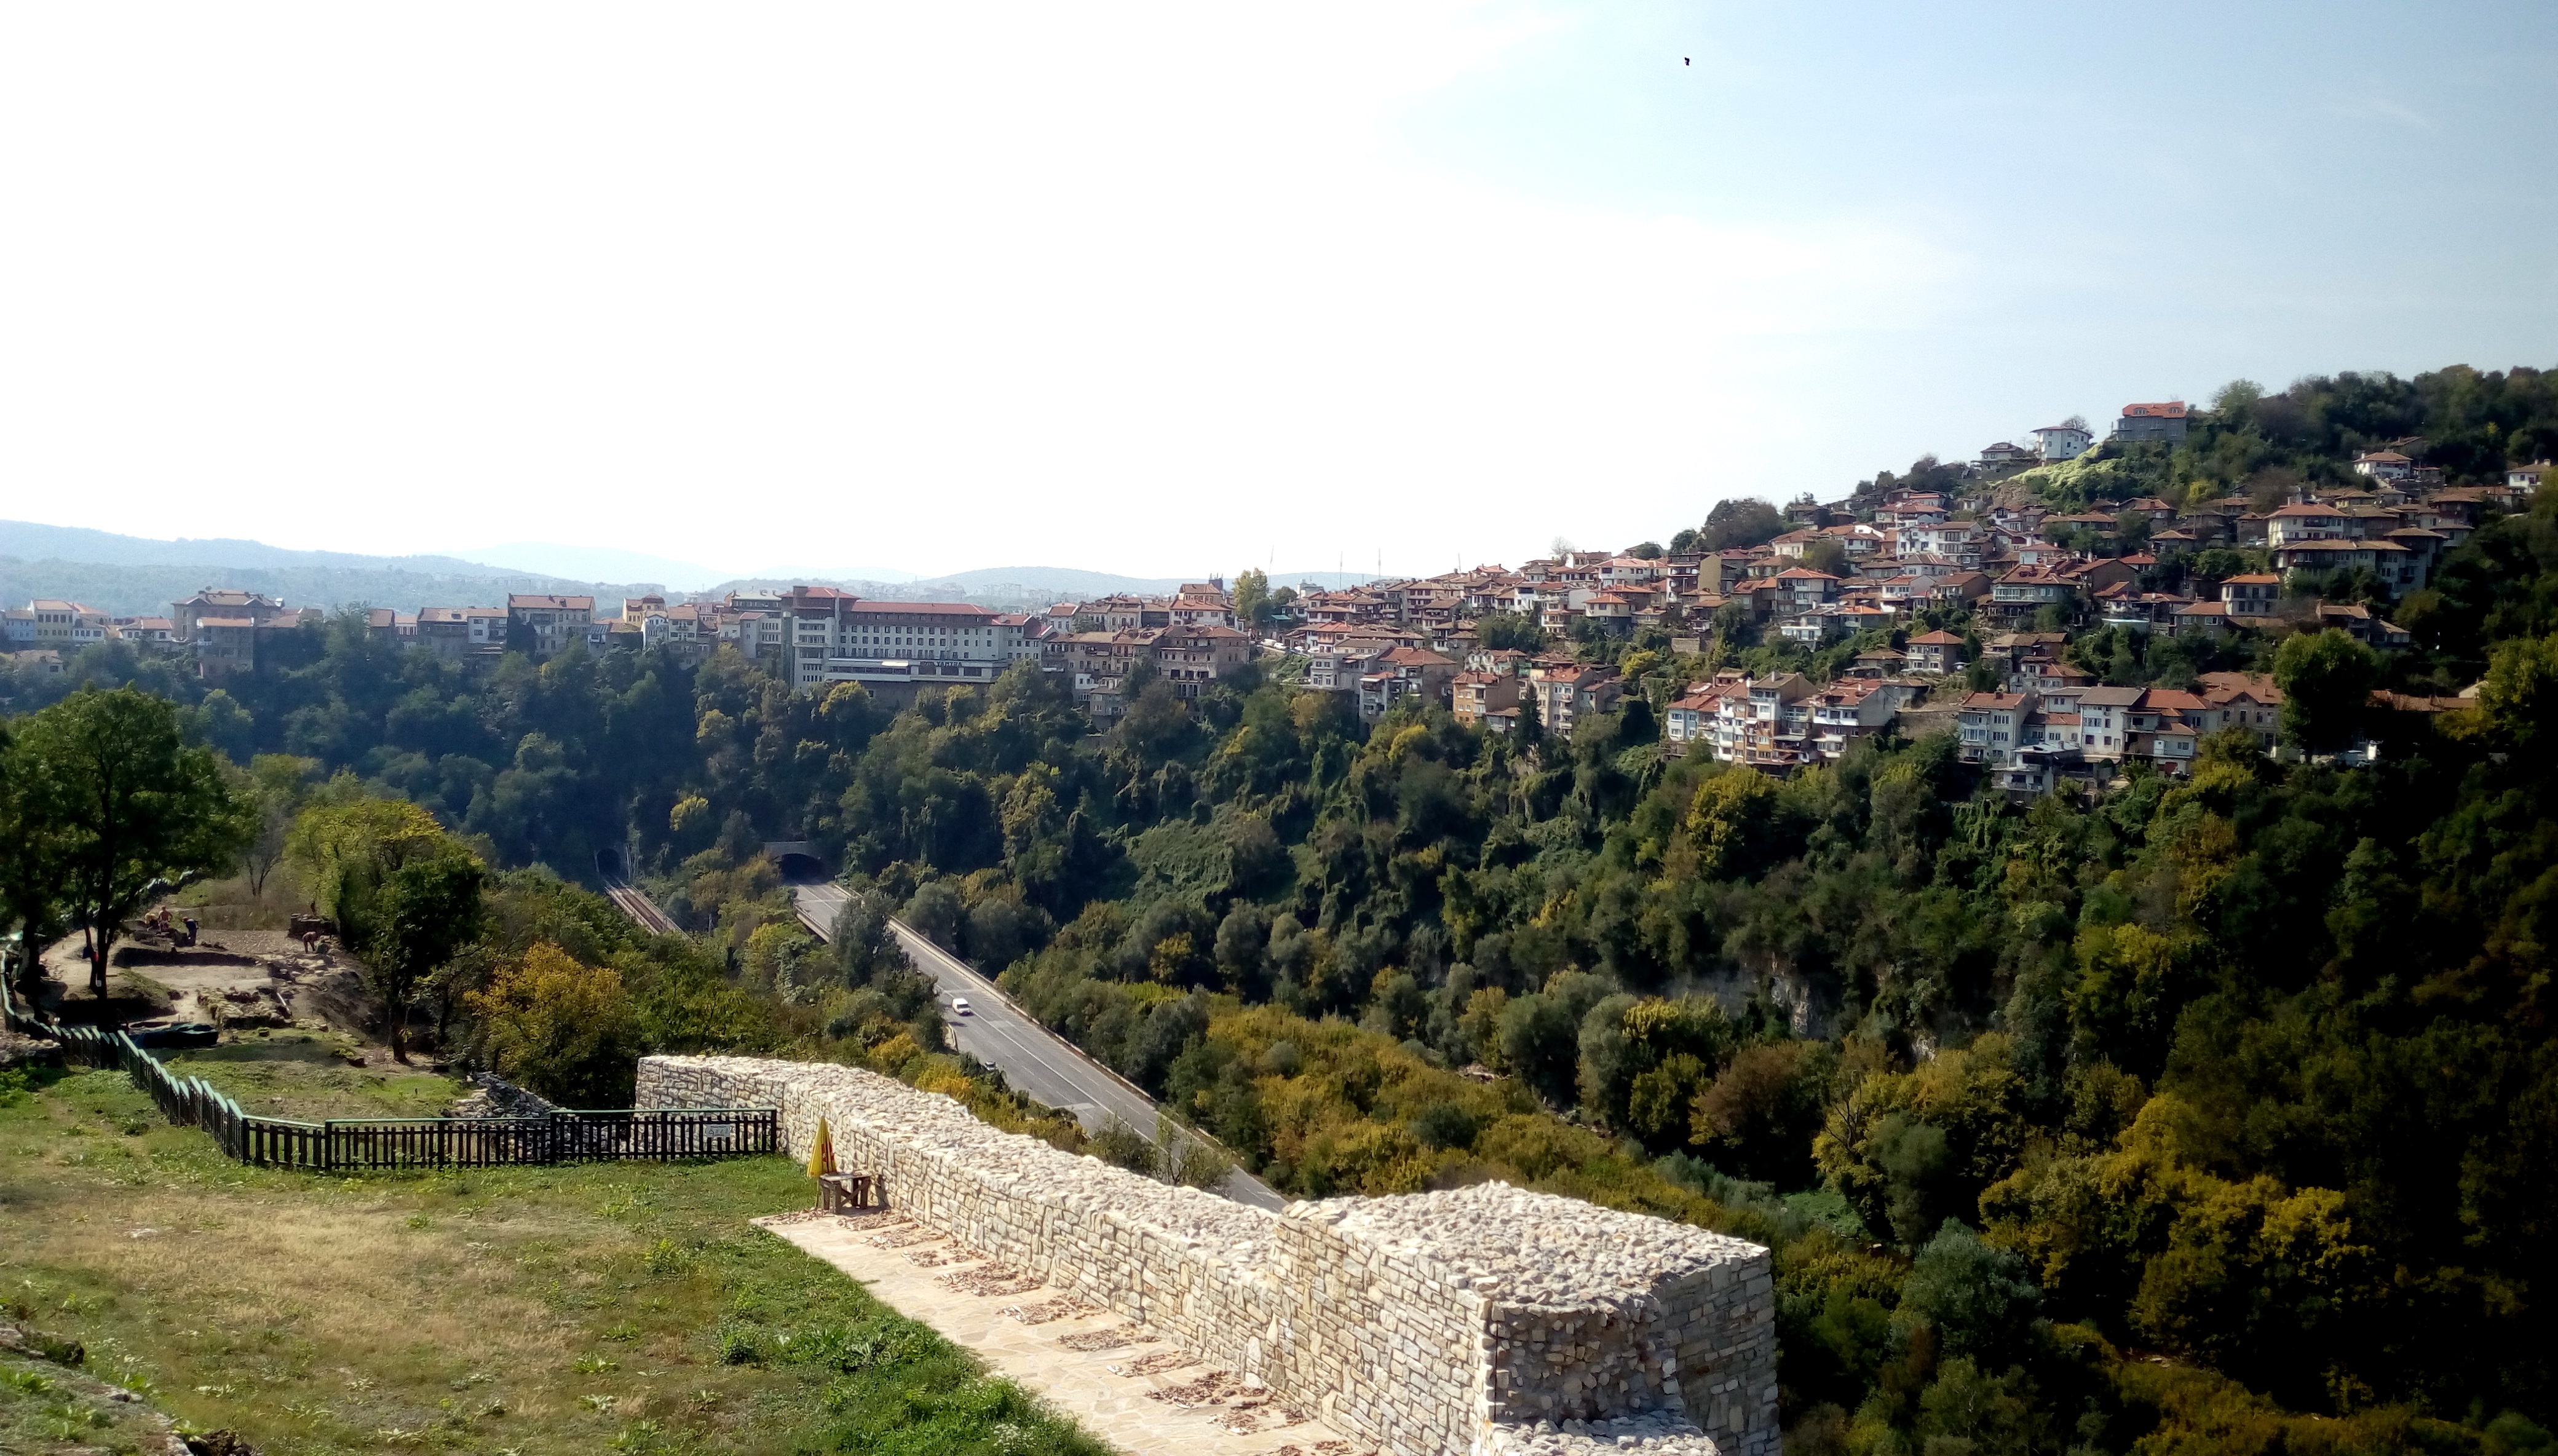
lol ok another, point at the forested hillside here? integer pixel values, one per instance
(2213, 1114)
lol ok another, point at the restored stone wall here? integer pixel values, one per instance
(1461, 1321)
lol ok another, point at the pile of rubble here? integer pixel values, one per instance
(1661, 1432)
(492, 1095)
(242, 1008)
(21, 1051)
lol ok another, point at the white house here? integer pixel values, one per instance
(2062, 442)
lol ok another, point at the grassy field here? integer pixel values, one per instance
(300, 1075)
(47, 1410)
(536, 1310)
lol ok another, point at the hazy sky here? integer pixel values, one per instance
(1173, 288)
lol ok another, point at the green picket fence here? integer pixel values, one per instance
(654, 1134)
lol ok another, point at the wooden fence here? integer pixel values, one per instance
(657, 1135)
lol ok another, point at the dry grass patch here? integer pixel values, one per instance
(303, 1076)
(534, 1310)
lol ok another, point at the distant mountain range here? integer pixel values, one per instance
(139, 576)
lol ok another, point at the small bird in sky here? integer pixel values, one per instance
(1684, 61)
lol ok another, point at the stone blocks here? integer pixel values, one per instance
(1472, 1321)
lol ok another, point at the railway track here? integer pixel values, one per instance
(644, 912)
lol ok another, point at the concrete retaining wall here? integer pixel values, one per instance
(1431, 1325)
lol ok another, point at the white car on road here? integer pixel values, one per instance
(959, 1004)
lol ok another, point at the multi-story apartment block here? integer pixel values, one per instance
(1564, 693)
(1402, 673)
(46, 625)
(1993, 726)
(1765, 723)
(551, 621)
(1851, 709)
(2161, 423)
(1191, 657)
(1474, 694)
(220, 602)
(2400, 569)
(831, 636)
(224, 646)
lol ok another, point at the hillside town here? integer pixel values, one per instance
(1951, 606)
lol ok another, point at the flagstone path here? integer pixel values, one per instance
(1119, 1379)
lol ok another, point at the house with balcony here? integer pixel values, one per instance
(2397, 567)
(1690, 723)
(1767, 724)
(2029, 589)
(1853, 708)
(1402, 673)
(1992, 726)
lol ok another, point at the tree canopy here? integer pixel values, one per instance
(113, 806)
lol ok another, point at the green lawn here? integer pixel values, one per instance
(534, 1310)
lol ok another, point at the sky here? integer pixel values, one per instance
(1166, 289)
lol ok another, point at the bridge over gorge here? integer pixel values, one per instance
(1037, 1062)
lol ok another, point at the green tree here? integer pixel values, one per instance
(426, 912)
(2520, 694)
(220, 722)
(1741, 521)
(129, 808)
(567, 1030)
(1252, 597)
(1828, 555)
(1509, 631)
(2327, 679)
(275, 785)
(34, 871)
(405, 894)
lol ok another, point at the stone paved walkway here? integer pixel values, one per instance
(1143, 1395)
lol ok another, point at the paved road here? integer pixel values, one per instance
(1036, 1061)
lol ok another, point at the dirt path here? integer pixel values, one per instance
(240, 981)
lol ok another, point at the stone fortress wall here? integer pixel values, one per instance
(1475, 1320)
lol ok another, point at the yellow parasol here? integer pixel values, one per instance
(822, 1154)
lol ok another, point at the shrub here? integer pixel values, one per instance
(1123, 1146)
(567, 1031)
